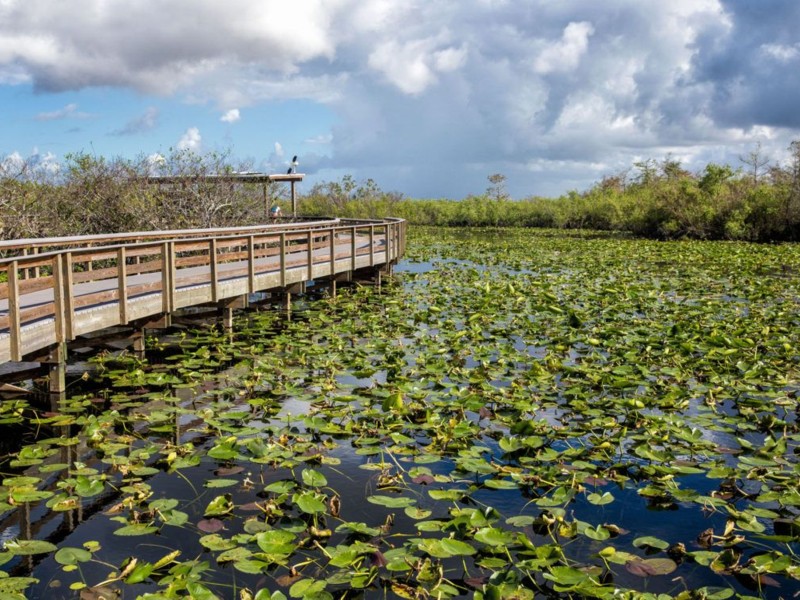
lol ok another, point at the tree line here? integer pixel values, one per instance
(654, 199)
(94, 195)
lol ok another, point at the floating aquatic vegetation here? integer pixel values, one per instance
(521, 414)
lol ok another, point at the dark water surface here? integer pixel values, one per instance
(519, 415)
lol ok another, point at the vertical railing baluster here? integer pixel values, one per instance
(14, 329)
(36, 272)
(372, 245)
(310, 255)
(69, 298)
(332, 244)
(212, 252)
(166, 284)
(173, 274)
(58, 298)
(251, 264)
(283, 259)
(353, 248)
(122, 285)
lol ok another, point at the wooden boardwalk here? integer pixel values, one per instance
(60, 288)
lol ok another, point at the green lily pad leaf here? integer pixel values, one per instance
(307, 588)
(144, 471)
(216, 543)
(254, 526)
(310, 502)
(198, 591)
(176, 518)
(135, 529)
(434, 525)
(72, 556)
(276, 541)
(164, 504)
(566, 576)
(447, 547)
(521, 521)
(491, 536)
(234, 555)
(281, 487)
(53, 467)
(451, 495)
(650, 542)
(313, 478)
(87, 487)
(221, 505)
(417, 513)
(11, 588)
(23, 495)
(358, 528)
(599, 533)
(500, 484)
(140, 573)
(29, 547)
(251, 566)
(391, 501)
(600, 500)
(21, 481)
(221, 483)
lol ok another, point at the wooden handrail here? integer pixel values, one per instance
(28, 244)
(77, 289)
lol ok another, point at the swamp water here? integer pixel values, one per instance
(522, 415)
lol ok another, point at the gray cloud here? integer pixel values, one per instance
(432, 96)
(751, 64)
(70, 111)
(141, 124)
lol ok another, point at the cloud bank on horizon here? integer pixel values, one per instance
(427, 98)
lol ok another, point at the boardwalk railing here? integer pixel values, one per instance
(60, 288)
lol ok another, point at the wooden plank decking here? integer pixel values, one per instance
(62, 288)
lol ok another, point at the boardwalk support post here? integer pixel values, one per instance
(139, 343)
(287, 302)
(57, 375)
(227, 307)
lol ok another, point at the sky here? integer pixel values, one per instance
(427, 98)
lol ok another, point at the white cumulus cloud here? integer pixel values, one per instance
(484, 87)
(566, 53)
(231, 116)
(191, 140)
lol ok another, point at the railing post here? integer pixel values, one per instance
(372, 245)
(310, 255)
(283, 259)
(68, 299)
(332, 240)
(353, 248)
(166, 277)
(212, 256)
(251, 264)
(122, 285)
(59, 306)
(13, 311)
(36, 272)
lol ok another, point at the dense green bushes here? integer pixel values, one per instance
(93, 195)
(661, 201)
